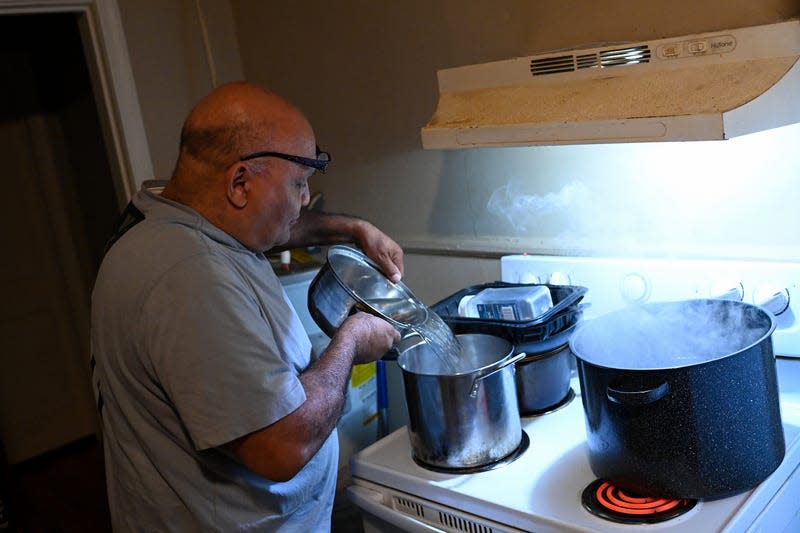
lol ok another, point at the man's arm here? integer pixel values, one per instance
(279, 451)
(315, 227)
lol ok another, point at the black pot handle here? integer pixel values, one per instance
(639, 397)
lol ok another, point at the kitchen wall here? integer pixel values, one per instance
(365, 72)
(179, 50)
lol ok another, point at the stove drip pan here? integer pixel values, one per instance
(523, 446)
(607, 501)
(555, 407)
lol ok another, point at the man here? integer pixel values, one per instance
(215, 415)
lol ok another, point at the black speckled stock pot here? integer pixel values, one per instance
(681, 398)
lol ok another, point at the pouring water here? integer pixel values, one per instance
(443, 343)
(427, 325)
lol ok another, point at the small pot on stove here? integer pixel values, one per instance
(543, 380)
(463, 419)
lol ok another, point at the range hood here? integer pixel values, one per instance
(707, 86)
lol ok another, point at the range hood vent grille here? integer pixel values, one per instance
(616, 57)
(625, 56)
(552, 65)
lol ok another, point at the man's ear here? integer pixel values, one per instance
(238, 185)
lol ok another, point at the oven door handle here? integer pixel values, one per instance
(372, 502)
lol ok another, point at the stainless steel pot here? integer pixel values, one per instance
(349, 282)
(681, 398)
(463, 419)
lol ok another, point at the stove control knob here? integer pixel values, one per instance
(528, 277)
(634, 288)
(774, 300)
(728, 290)
(559, 278)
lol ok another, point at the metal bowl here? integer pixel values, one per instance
(348, 282)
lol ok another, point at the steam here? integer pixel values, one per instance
(590, 216)
(669, 335)
(521, 210)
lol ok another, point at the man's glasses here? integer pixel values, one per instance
(320, 163)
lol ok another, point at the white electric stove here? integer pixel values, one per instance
(541, 490)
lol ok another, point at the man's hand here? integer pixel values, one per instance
(382, 249)
(373, 336)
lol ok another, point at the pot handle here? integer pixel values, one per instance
(408, 340)
(473, 392)
(639, 397)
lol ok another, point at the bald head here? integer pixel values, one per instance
(234, 119)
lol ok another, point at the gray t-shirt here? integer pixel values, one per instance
(196, 344)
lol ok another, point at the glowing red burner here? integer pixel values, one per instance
(612, 503)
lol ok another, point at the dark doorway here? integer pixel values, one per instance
(58, 207)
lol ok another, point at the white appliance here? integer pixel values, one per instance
(541, 491)
(707, 86)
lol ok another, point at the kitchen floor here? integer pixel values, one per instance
(64, 492)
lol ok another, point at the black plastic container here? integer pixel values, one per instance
(566, 312)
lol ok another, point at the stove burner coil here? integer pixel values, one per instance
(607, 501)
